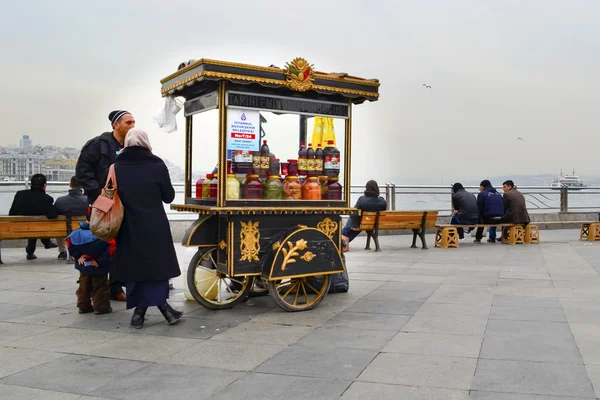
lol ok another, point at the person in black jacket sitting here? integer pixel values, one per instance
(465, 208)
(33, 202)
(75, 204)
(371, 201)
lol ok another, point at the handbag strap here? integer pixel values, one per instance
(111, 177)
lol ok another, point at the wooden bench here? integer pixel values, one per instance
(22, 227)
(418, 221)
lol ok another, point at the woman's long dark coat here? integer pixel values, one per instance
(145, 250)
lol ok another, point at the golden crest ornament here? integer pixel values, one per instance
(249, 241)
(299, 74)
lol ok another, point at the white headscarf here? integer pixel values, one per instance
(137, 137)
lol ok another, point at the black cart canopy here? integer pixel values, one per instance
(298, 78)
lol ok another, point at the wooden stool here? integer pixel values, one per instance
(516, 234)
(446, 237)
(590, 231)
(532, 234)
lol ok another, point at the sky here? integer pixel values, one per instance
(499, 70)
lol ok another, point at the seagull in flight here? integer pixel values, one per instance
(521, 139)
(427, 86)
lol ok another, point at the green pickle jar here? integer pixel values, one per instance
(273, 188)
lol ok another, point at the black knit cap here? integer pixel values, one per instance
(116, 115)
(485, 183)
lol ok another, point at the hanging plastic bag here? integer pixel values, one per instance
(166, 115)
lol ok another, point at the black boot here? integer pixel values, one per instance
(170, 314)
(137, 320)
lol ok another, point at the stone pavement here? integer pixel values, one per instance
(494, 322)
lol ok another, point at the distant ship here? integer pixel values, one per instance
(573, 182)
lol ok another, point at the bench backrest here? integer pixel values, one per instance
(390, 220)
(22, 227)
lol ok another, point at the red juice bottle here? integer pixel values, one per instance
(319, 161)
(310, 161)
(302, 155)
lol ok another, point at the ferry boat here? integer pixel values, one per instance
(573, 182)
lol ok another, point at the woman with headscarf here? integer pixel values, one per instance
(370, 201)
(145, 257)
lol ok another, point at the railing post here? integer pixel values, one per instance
(564, 199)
(387, 196)
(393, 196)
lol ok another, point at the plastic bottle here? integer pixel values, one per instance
(319, 154)
(206, 186)
(265, 158)
(302, 167)
(310, 161)
(255, 162)
(242, 162)
(199, 187)
(331, 165)
(214, 187)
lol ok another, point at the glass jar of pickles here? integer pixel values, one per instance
(323, 183)
(273, 188)
(311, 190)
(253, 188)
(233, 187)
(292, 189)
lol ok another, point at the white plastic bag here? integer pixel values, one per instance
(165, 116)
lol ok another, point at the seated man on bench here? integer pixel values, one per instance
(515, 205)
(465, 208)
(370, 201)
(491, 209)
(34, 202)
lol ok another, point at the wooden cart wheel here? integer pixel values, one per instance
(259, 288)
(299, 294)
(211, 288)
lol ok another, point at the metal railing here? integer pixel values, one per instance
(398, 197)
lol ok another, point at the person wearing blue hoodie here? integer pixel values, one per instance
(93, 259)
(491, 209)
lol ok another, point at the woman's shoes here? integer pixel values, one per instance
(171, 315)
(137, 320)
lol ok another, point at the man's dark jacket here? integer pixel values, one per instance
(490, 202)
(73, 205)
(466, 204)
(33, 202)
(96, 157)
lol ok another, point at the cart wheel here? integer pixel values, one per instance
(211, 288)
(259, 288)
(299, 294)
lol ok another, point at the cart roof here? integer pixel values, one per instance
(298, 78)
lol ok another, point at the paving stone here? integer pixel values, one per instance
(297, 360)
(10, 311)
(354, 321)
(479, 395)
(587, 337)
(393, 296)
(156, 382)
(417, 278)
(191, 328)
(530, 341)
(385, 307)
(451, 310)
(409, 287)
(527, 314)
(420, 370)
(312, 318)
(526, 283)
(458, 325)
(275, 387)
(594, 374)
(140, 347)
(55, 317)
(23, 393)
(435, 345)
(460, 294)
(36, 298)
(16, 360)
(377, 391)
(233, 356)
(10, 332)
(529, 377)
(333, 337)
(74, 374)
(252, 332)
(115, 322)
(370, 277)
(66, 340)
(526, 301)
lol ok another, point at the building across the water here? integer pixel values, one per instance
(59, 170)
(19, 167)
(26, 142)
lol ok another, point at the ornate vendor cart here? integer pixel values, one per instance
(289, 242)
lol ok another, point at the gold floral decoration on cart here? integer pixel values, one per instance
(328, 227)
(299, 74)
(222, 245)
(249, 244)
(290, 254)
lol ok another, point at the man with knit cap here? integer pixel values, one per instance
(96, 157)
(491, 209)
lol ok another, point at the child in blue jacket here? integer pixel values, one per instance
(93, 259)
